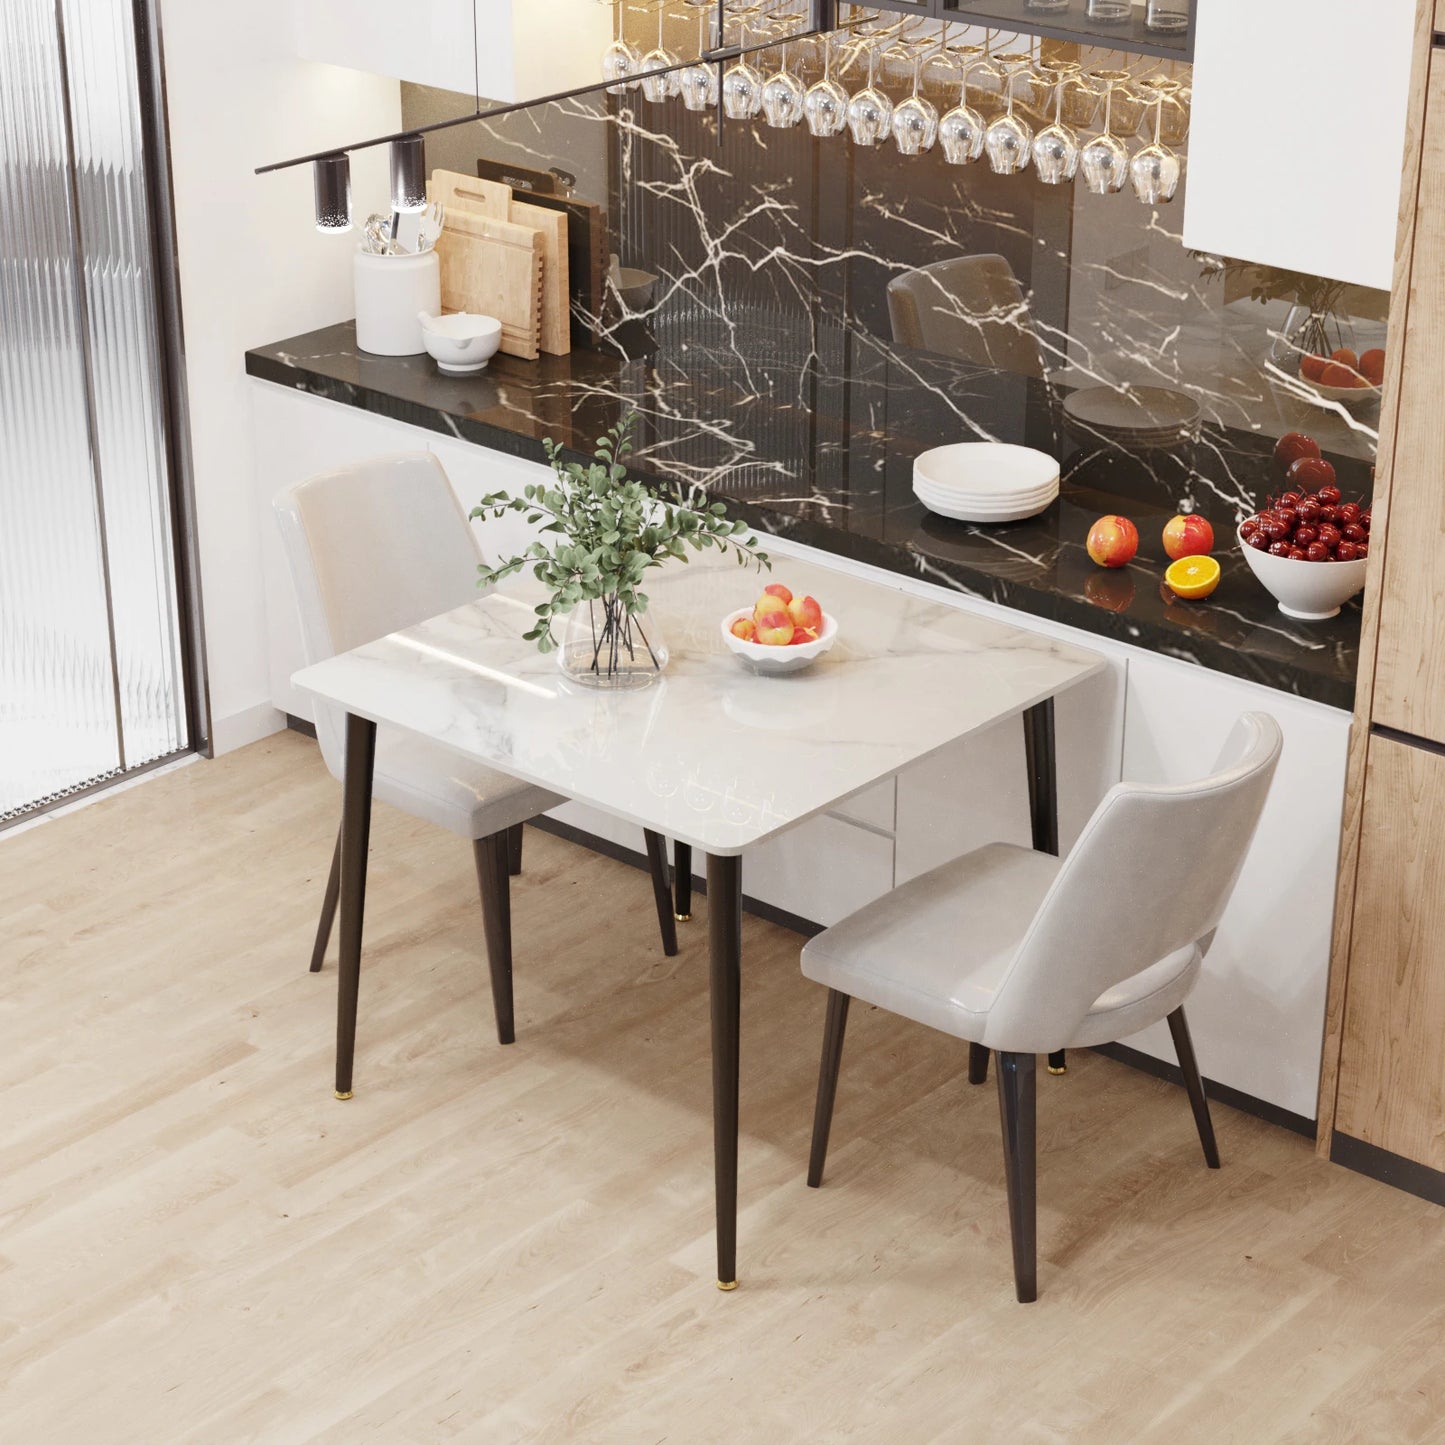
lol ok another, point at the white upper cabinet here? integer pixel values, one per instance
(1298, 133)
(522, 48)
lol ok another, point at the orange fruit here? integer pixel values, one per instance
(1372, 366)
(1192, 577)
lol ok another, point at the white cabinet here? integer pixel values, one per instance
(1257, 1014)
(1298, 132)
(501, 50)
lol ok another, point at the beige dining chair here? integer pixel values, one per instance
(1023, 953)
(374, 548)
(971, 308)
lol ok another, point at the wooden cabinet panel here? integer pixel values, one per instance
(1410, 667)
(1392, 1062)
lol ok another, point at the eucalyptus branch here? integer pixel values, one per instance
(600, 532)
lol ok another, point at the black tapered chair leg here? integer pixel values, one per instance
(1017, 1108)
(328, 909)
(493, 858)
(661, 893)
(977, 1064)
(833, 1030)
(514, 849)
(682, 882)
(1184, 1047)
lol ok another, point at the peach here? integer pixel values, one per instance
(1113, 541)
(776, 589)
(807, 616)
(745, 629)
(775, 629)
(1188, 535)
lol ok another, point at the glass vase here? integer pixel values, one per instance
(1308, 332)
(606, 646)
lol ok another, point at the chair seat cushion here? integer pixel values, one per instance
(936, 949)
(439, 786)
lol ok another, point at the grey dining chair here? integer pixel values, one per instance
(374, 548)
(1023, 953)
(971, 308)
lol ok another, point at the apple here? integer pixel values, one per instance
(1312, 367)
(1113, 541)
(1372, 366)
(745, 629)
(1188, 535)
(775, 629)
(1346, 357)
(807, 616)
(776, 589)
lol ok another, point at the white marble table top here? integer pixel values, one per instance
(710, 755)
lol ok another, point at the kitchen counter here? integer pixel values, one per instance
(824, 455)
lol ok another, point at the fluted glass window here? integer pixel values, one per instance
(91, 682)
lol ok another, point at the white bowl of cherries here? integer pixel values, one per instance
(1309, 547)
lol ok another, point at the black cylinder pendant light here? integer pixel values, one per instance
(332, 175)
(408, 174)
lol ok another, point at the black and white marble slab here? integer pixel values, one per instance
(825, 457)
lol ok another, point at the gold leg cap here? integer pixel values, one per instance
(340, 1095)
(1062, 1069)
(683, 917)
(727, 1284)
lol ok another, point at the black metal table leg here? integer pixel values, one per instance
(355, 839)
(1041, 760)
(724, 937)
(682, 882)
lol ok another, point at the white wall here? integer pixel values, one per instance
(253, 270)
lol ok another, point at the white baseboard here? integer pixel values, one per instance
(248, 726)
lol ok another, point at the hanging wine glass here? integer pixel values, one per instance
(782, 96)
(988, 81)
(621, 60)
(870, 112)
(1056, 147)
(742, 86)
(825, 103)
(699, 82)
(1129, 106)
(1007, 140)
(657, 87)
(960, 132)
(1105, 159)
(915, 120)
(1154, 171)
(1172, 115)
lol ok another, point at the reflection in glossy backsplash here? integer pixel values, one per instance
(799, 278)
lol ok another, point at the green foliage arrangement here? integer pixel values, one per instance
(601, 533)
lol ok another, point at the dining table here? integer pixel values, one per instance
(713, 755)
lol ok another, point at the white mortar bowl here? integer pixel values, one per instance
(1310, 591)
(460, 342)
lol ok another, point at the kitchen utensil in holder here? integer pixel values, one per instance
(390, 293)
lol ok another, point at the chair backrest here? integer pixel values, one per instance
(372, 548)
(968, 307)
(1150, 875)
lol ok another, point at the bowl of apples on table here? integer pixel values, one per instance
(1344, 377)
(1308, 546)
(779, 633)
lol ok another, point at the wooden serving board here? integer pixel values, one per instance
(491, 198)
(494, 268)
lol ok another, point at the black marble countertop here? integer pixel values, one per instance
(824, 455)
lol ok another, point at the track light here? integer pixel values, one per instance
(408, 174)
(332, 175)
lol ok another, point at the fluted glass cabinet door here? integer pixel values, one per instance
(91, 683)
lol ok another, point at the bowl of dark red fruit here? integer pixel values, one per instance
(1308, 546)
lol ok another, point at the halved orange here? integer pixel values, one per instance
(1192, 577)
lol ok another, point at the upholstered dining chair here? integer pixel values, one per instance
(373, 548)
(1023, 953)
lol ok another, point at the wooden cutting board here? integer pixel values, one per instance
(491, 198)
(494, 268)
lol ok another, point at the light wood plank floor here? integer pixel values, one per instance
(198, 1244)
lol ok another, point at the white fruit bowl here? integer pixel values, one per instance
(776, 661)
(1345, 395)
(460, 342)
(1310, 591)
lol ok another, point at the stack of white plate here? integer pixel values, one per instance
(1137, 417)
(985, 481)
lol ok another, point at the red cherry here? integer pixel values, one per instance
(1292, 446)
(1309, 513)
(1276, 530)
(1291, 499)
(1362, 549)
(1297, 554)
(1329, 534)
(1330, 494)
(1347, 552)
(1353, 532)
(1279, 549)
(1317, 552)
(1329, 514)
(1349, 512)
(1313, 471)
(1303, 536)
(1258, 541)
